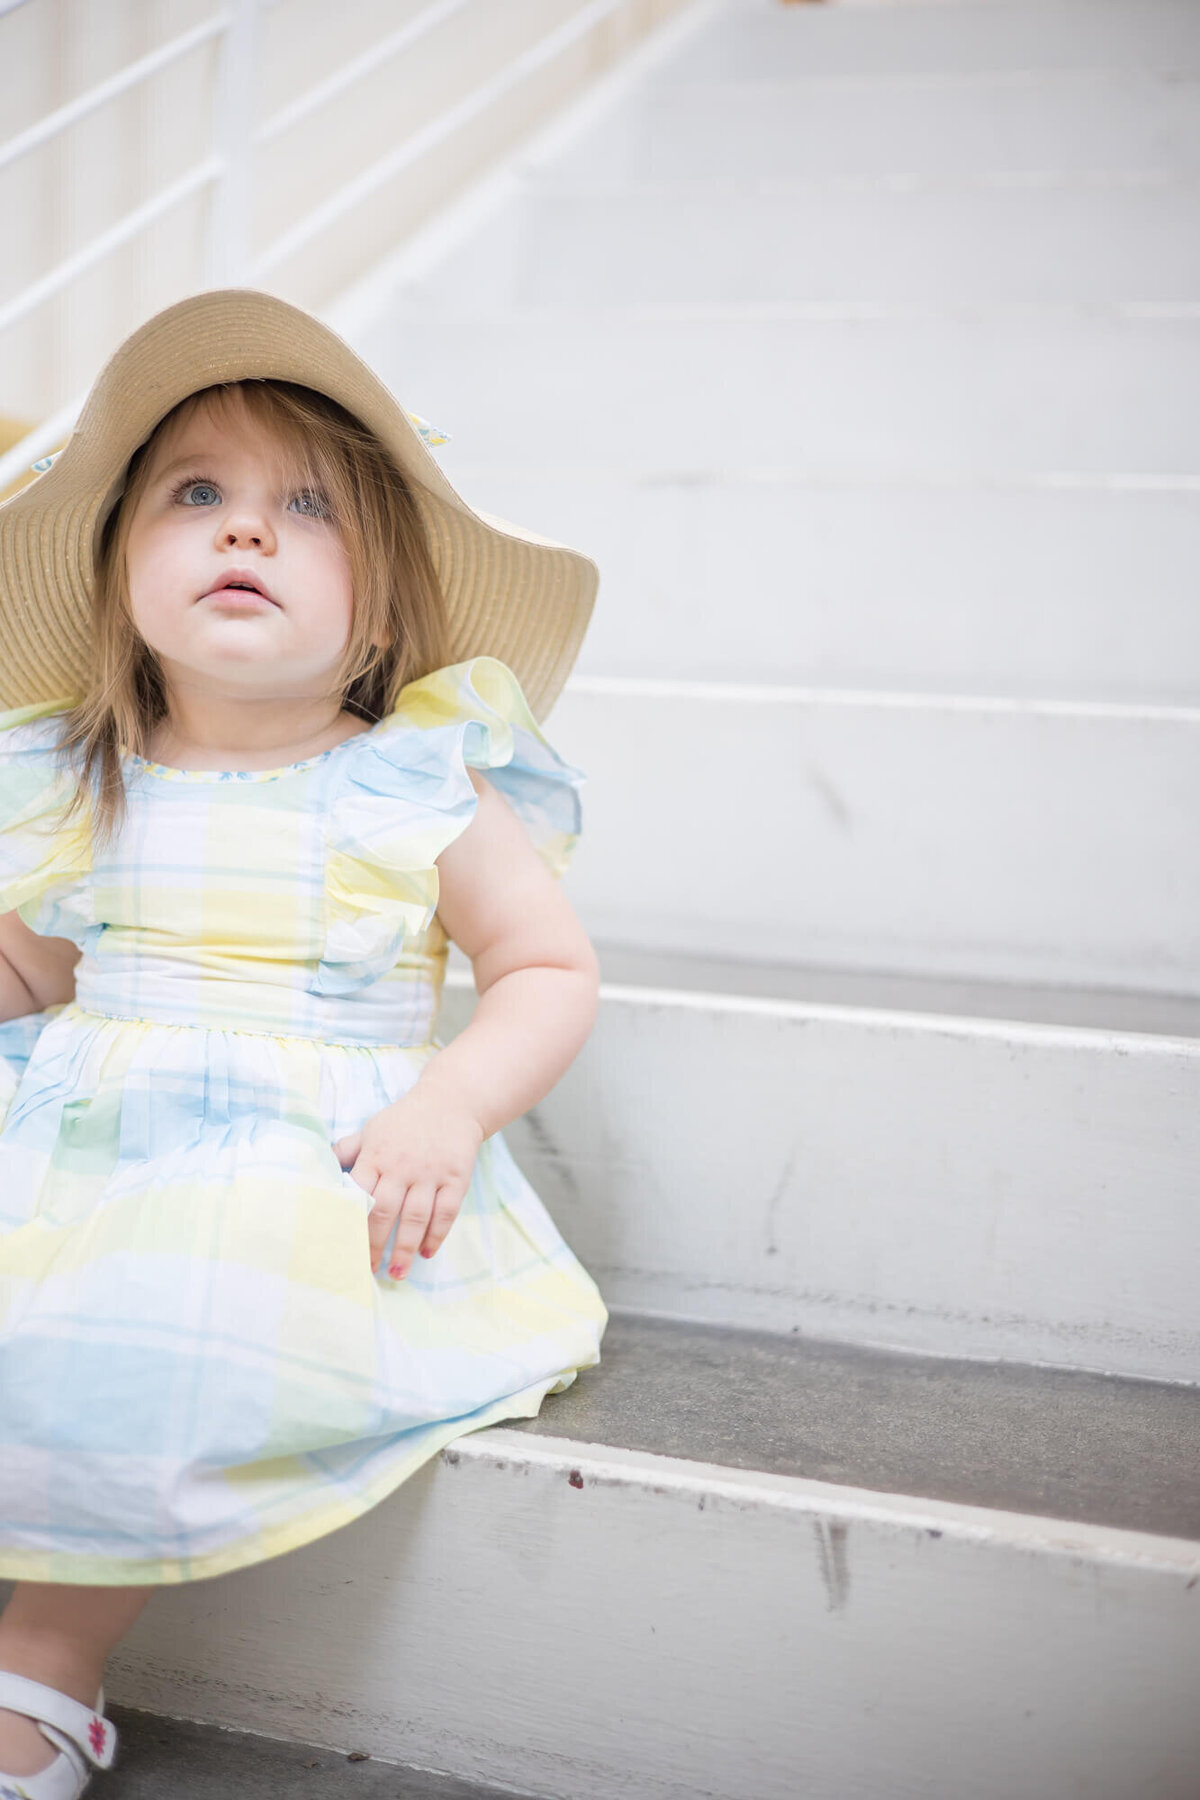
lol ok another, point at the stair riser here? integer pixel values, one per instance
(660, 1629)
(1070, 595)
(940, 247)
(974, 1190)
(918, 397)
(1005, 844)
(981, 124)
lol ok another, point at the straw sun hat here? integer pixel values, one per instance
(508, 593)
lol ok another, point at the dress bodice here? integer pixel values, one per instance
(298, 901)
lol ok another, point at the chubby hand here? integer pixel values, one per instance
(415, 1158)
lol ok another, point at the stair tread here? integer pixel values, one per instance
(1021, 36)
(1079, 1008)
(1109, 1009)
(160, 1756)
(1055, 1443)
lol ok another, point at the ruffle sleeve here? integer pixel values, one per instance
(404, 794)
(43, 862)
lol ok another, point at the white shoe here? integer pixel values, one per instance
(80, 1736)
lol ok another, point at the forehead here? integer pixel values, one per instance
(224, 427)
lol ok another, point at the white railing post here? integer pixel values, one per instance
(231, 217)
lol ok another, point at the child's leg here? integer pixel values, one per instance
(62, 1636)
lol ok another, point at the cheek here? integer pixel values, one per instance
(141, 577)
(148, 561)
(340, 588)
(144, 586)
(154, 578)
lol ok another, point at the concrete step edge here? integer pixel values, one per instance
(756, 86)
(649, 687)
(852, 309)
(796, 475)
(174, 1753)
(1129, 1040)
(612, 1466)
(904, 182)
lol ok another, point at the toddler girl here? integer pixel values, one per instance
(263, 1250)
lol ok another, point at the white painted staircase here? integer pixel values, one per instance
(861, 345)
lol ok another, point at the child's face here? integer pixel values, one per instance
(218, 508)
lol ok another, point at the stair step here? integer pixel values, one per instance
(948, 243)
(1056, 1443)
(1074, 391)
(997, 839)
(160, 1757)
(1053, 592)
(1104, 1009)
(745, 41)
(1127, 122)
(578, 1621)
(930, 1182)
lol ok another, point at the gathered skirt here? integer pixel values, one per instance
(198, 1368)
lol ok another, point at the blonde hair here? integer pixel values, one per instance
(398, 630)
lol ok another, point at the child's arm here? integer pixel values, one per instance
(538, 982)
(534, 967)
(35, 972)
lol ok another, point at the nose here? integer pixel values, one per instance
(246, 529)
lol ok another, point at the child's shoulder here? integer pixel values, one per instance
(413, 776)
(480, 687)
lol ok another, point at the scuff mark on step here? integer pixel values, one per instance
(779, 1191)
(833, 1561)
(837, 807)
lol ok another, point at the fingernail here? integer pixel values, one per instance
(396, 1272)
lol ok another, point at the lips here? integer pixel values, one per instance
(240, 581)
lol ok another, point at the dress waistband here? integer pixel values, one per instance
(399, 1011)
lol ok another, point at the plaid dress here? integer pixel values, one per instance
(198, 1369)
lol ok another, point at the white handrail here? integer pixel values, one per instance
(130, 76)
(117, 234)
(359, 66)
(376, 174)
(230, 222)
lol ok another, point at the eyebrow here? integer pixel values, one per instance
(193, 457)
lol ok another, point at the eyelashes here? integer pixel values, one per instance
(180, 488)
(308, 503)
(311, 503)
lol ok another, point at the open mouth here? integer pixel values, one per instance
(241, 584)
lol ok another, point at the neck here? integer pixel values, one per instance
(229, 731)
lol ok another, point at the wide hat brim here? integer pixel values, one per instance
(508, 593)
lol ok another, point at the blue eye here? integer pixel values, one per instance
(200, 493)
(311, 505)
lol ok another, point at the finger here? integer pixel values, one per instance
(414, 1219)
(445, 1210)
(364, 1174)
(347, 1149)
(386, 1203)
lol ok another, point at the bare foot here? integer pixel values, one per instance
(23, 1749)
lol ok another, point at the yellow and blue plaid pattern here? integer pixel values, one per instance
(198, 1369)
